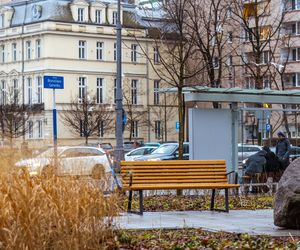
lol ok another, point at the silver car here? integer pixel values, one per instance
(72, 161)
(246, 150)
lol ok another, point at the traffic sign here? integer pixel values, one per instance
(53, 82)
(177, 126)
(268, 127)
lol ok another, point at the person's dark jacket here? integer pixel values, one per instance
(273, 164)
(255, 163)
(282, 149)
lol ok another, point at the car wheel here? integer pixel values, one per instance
(98, 172)
(48, 171)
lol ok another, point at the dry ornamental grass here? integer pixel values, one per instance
(53, 213)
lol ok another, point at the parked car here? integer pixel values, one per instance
(128, 146)
(152, 144)
(135, 153)
(246, 150)
(167, 151)
(72, 161)
(294, 152)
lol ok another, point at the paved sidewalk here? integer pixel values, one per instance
(254, 222)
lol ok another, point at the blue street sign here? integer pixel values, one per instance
(268, 127)
(53, 82)
(177, 126)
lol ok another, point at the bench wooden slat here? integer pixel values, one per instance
(173, 162)
(176, 167)
(175, 174)
(180, 186)
(177, 181)
(176, 177)
(166, 171)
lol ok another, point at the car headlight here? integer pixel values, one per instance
(154, 159)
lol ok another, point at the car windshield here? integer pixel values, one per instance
(165, 149)
(49, 153)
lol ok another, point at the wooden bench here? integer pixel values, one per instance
(175, 174)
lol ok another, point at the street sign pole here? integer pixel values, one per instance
(54, 129)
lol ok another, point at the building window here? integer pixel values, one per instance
(100, 91)
(40, 129)
(15, 91)
(156, 56)
(114, 17)
(230, 37)
(250, 83)
(157, 129)
(134, 91)
(133, 53)
(99, 51)
(28, 50)
(82, 49)
(228, 12)
(266, 82)
(156, 92)
(135, 129)
(115, 90)
(3, 93)
(101, 128)
(29, 91)
(216, 62)
(295, 4)
(14, 52)
(82, 88)
(230, 60)
(30, 129)
(115, 51)
(1, 20)
(265, 57)
(38, 48)
(39, 89)
(98, 16)
(80, 15)
(2, 48)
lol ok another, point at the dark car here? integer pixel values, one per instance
(294, 153)
(167, 151)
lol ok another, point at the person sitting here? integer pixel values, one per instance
(254, 167)
(272, 166)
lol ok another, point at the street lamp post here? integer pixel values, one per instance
(119, 151)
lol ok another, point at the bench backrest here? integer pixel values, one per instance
(175, 171)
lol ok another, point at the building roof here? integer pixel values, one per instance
(51, 10)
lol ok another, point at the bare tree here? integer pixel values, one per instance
(13, 115)
(172, 51)
(86, 117)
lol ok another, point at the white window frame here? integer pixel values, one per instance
(101, 129)
(2, 48)
(80, 15)
(216, 62)
(82, 88)
(265, 57)
(40, 129)
(3, 92)
(135, 129)
(134, 91)
(156, 97)
(100, 90)
(1, 21)
(82, 49)
(38, 48)
(134, 52)
(39, 89)
(14, 52)
(157, 129)
(230, 37)
(156, 55)
(99, 50)
(98, 16)
(29, 91)
(115, 51)
(30, 129)
(114, 17)
(15, 84)
(28, 50)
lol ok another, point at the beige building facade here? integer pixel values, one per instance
(77, 40)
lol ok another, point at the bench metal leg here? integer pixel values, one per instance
(226, 200)
(141, 202)
(212, 202)
(129, 201)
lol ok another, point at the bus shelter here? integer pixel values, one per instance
(213, 133)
